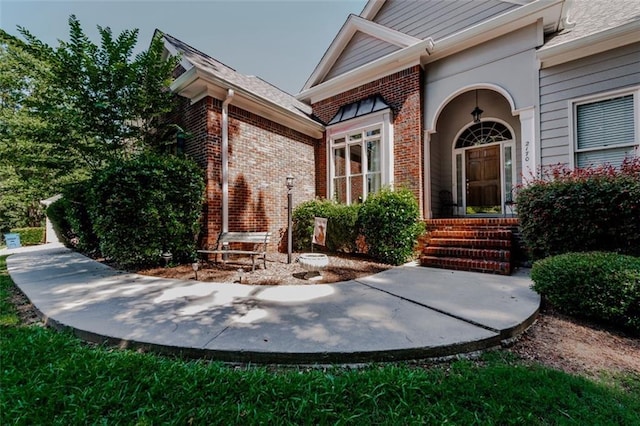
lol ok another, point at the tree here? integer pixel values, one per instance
(70, 110)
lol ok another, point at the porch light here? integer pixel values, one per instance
(289, 181)
(476, 111)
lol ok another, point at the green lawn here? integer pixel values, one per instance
(53, 378)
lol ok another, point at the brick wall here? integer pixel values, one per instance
(402, 91)
(261, 154)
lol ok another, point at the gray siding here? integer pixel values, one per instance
(612, 70)
(361, 50)
(437, 18)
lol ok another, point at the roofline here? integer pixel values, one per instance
(589, 45)
(217, 87)
(349, 28)
(428, 51)
(372, 8)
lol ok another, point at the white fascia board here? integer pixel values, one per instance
(171, 50)
(428, 51)
(352, 25)
(372, 8)
(389, 64)
(196, 84)
(589, 45)
(496, 27)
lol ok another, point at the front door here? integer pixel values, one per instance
(483, 182)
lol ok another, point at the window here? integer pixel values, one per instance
(356, 165)
(606, 129)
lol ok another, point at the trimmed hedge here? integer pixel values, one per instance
(30, 236)
(597, 285)
(145, 206)
(390, 222)
(594, 209)
(342, 231)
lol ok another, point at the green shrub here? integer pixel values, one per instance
(342, 231)
(57, 212)
(390, 223)
(77, 205)
(595, 209)
(30, 236)
(597, 285)
(145, 206)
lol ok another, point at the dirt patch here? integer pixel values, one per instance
(578, 347)
(342, 267)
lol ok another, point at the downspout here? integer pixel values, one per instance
(225, 161)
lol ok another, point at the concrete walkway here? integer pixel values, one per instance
(408, 312)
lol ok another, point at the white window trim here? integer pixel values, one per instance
(381, 119)
(573, 123)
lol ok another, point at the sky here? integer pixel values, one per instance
(279, 41)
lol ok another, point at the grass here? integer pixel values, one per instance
(53, 378)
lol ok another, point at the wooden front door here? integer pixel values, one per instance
(483, 180)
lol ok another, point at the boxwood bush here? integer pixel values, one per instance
(30, 236)
(342, 230)
(597, 285)
(145, 206)
(593, 209)
(390, 222)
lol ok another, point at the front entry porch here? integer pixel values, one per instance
(489, 245)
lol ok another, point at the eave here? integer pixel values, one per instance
(427, 50)
(196, 84)
(589, 45)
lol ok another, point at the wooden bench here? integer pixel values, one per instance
(258, 239)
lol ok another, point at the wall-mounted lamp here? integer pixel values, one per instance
(476, 111)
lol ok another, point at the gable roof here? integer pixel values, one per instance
(593, 26)
(206, 76)
(421, 51)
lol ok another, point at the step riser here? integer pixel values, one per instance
(470, 243)
(472, 234)
(499, 255)
(492, 267)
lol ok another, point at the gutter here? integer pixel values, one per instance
(225, 160)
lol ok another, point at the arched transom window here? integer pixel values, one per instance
(483, 133)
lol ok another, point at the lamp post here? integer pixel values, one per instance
(289, 224)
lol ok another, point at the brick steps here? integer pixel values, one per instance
(470, 244)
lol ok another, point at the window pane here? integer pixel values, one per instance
(340, 166)
(355, 185)
(508, 174)
(355, 157)
(374, 132)
(605, 123)
(355, 137)
(340, 188)
(613, 156)
(373, 155)
(338, 141)
(373, 182)
(460, 184)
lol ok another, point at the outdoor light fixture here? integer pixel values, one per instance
(195, 266)
(477, 111)
(289, 224)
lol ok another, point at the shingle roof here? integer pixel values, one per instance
(593, 16)
(250, 83)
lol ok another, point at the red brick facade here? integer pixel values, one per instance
(402, 91)
(261, 154)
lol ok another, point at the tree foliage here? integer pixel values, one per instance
(69, 110)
